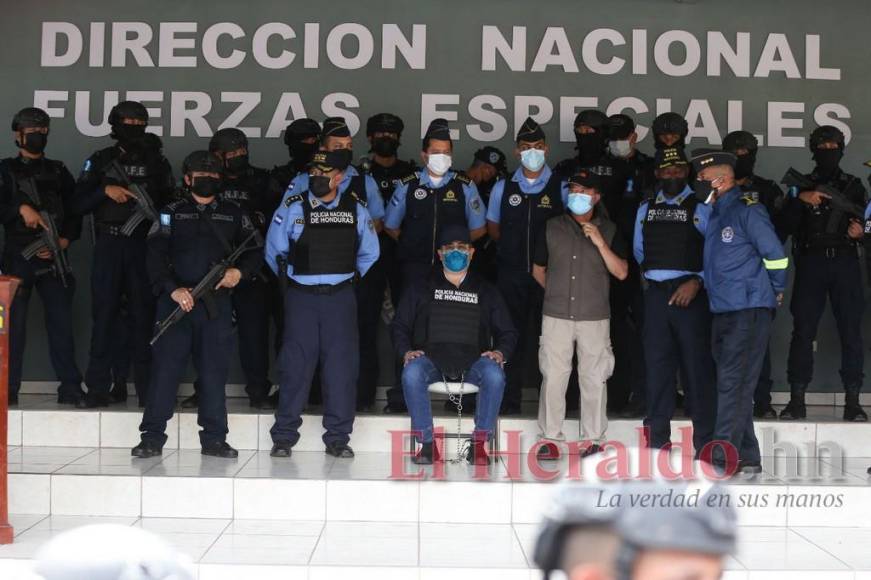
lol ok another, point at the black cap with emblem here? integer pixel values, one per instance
(704, 158)
(335, 127)
(670, 157)
(586, 178)
(327, 161)
(530, 131)
(202, 161)
(438, 129)
(301, 129)
(453, 233)
(384, 123)
(493, 156)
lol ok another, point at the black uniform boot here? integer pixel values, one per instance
(796, 408)
(118, 394)
(853, 411)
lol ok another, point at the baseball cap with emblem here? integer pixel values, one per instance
(620, 127)
(493, 156)
(327, 161)
(670, 157)
(704, 158)
(586, 178)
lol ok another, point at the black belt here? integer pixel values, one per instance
(829, 252)
(320, 288)
(672, 284)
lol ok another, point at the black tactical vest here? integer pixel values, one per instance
(328, 244)
(141, 168)
(427, 210)
(671, 240)
(45, 176)
(522, 219)
(453, 326)
(820, 229)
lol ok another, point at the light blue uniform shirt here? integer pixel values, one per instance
(374, 203)
(700, 219)
(494, 208)
(475, 210)
(287, 227)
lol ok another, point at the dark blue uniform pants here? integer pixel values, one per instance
(57, 306)
(739, 342)
(318, 328)
(675, 339)
(839, 279)
(119, 270)
(524, 298)
(251, 301)
(210, 342)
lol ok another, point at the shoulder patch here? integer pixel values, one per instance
(750, 198)
(463, 178)
(409, 178)
(357, 199)
(292, 199)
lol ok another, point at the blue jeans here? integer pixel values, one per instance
(487, 374)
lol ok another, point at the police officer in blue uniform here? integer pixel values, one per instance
(745, 276)
(826, 248)
(516, 216)
(195, 232)
(668, 245)
(52, 190)
(425, 202)
(745, 147)
(327, 237)
(487, 169)
(453, 326)
(118, 267)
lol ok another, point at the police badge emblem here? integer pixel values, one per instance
(514, 199)
(419, 193)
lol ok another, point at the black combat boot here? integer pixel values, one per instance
(853, 411)
(796, 408)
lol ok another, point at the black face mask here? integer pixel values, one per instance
(385, 146)
(828, 160)
(237, 165)
(301, 153)
(744, 165)
(672, 186)
(319, 185)
(129, 135)
(206, 186)
(703, 190)
(591, 146)
(34, 142)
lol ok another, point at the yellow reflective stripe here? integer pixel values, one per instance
(780, 264)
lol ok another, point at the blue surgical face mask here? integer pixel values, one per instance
(580, 203)
(532, 159)
(456, 260)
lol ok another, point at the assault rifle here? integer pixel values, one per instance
(839, 203)
(206, 286)
(49, 238)
(144, 206)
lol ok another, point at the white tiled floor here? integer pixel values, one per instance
(226, 548)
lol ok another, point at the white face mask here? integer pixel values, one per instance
(620, 149)
(438, 163)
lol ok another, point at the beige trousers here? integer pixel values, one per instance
(559, 339)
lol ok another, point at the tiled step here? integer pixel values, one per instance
(224, 549)
(377, 487)
(41, 422)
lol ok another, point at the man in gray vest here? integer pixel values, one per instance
(574, 262)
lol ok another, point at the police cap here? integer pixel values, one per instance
(620, 126)
(670, 157)
(704, 158)
(335, 127)
(204, 161)
(327, 161)
(493, 156)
